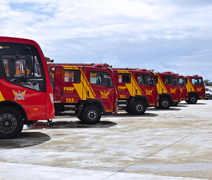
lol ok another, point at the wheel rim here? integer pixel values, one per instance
(165, 103)
(193, 99)
(139, 108)
(92, 115)
(8, 123)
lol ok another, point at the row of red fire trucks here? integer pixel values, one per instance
(95, 89)
(31, 89)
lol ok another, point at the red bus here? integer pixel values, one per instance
(26, 93)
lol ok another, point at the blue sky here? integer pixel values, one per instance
(165, 35)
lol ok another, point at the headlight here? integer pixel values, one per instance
(51, 98)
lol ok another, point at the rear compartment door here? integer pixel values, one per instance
(72, 90)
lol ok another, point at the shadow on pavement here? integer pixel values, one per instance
(70, 124)
(25, 139)
(170, 109)
(197, 104)
(182, 105)
(132, 115)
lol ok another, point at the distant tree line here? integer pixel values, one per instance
(207, 82)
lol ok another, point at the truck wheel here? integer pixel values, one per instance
(129, 110)
(80, 117)
(138, 107)
(91, 115)
(164, 103)
(192, 99)
(11, 123)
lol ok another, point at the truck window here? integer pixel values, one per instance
(197, 81)
(71, 76)
(22, 66)
(181, 81)
(100, 78)
(146, 79)
(170, 80)
(124, 78)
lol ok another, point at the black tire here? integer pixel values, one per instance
(164, 103)
(175, 104)
(192, 99)
(91, 115)
(128, 110)
(11, 123)
(80, 117)
(138, 107)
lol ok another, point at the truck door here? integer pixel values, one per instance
(103, 89)
(183, 89)
(148, 87)
(172, 87)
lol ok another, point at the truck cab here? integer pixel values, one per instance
(196, 88)
(136, 89)
(168, 89)
(89, 89)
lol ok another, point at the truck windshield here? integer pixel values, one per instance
(197, 81)
(170, 80)
(181, 81)
(22, 66)
(146, 79)
(100, 78)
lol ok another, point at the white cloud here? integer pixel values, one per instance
(135, 31)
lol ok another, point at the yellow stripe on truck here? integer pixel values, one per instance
(133, 87)
(1, 97)
(84, 88)
(189, 86)
(71, 67)
(160, 85)
(123, 71)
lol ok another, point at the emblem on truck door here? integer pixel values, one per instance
(104, 94)
(148, 92)
(19, 95)
(199, 89)
(172, 90)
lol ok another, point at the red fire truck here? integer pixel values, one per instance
(196, 88)
(136, 89)
(88, 88)
(168, 89)
(183, 89)
(26, 93)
